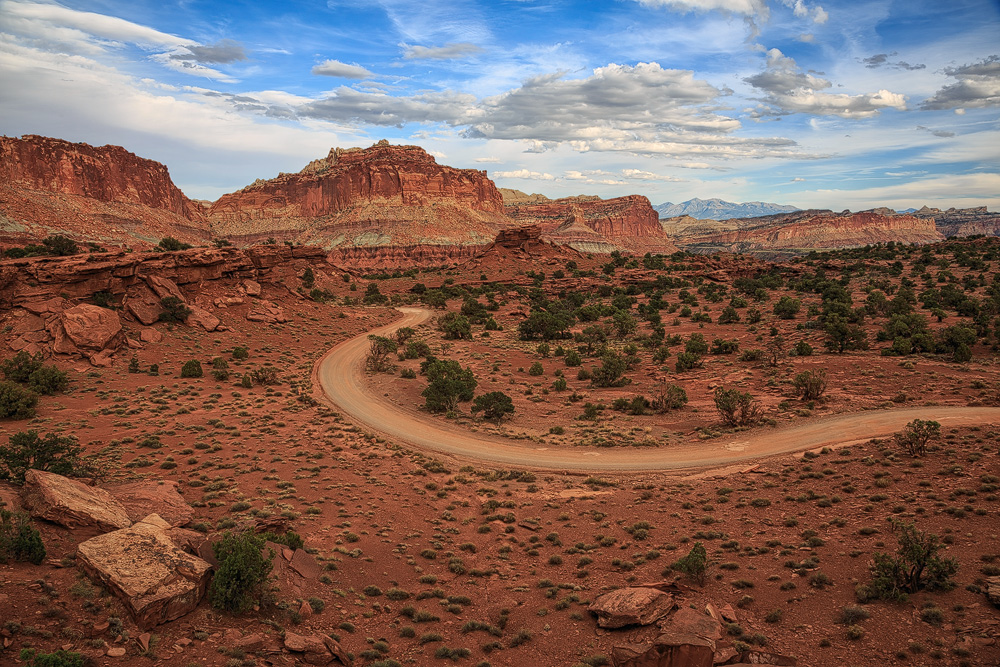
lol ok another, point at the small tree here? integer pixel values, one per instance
(448, 383)
(170, 244)
(60, 245)
(455, 326)
(811, 384)
(243, 570)
(668, 397)
(19, 540)
(308, 278)
(694, 565)
(495, 406)
(842, 335)
(916, 435)
(915, 566)
(192, 369)
(373, 296)
(27, 451)
(174, 310)
(611, 371)
(380, 349)
(737, 408)
(133, 365)
(16, 402)
(775, 350)
(48, 380)
(787, 308)
(20, 367)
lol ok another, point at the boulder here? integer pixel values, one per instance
(251, 287)
(102, 359)
(631, 606)
(265, 311)
(143, 304)
(46, 307)
(71, 503)
(164, 287)
(91, 327)
(993, 590)
(690, 638)
(155, 580)
(201, 317)
(316, 649)
(154, 497)
(150, 335)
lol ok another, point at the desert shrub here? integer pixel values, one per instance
(737, 408)
(842, 335)
(811, 384)
(19, 540)
(728, 315)
(722, 346)
(170, 244)
(611, 371)
(265, 375)
(220, 374)
(308, 278)
(495, 406)
(60, 658)
(48, 380)
(802, 349)
(536, 369)
(687, 361)
(694, 565)
(16, 402)
(668, 397)
(573, 358)
(174, 310)
(242, 572)
(752, 355)
(192, 369)
(915, 566)
(916, 435)
(133, 365)
(696, 344)
(455, 326)
(373, 295)
(26, 451)
(379, 350)
(20, 367)
(241, 353)
(787, 308)
(289, 538)
(448, 383)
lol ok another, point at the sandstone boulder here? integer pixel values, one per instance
(164, 287)
(155, 580)
(267, 312)
(143, 304)
(251, 287)
(154, 497)
(150, 335)
(316, 649)
(71, 503)
(203, 318)
(993, 590)
(631, 606)
(46, 307)
(91, 327)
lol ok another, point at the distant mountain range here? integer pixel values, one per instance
(717, 209)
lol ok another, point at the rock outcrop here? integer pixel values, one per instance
(962, 221)
(799, 232)
(592, 224)
(71, 503)
(631, 606)
(155, 580)
(103, 194)
(381, 196)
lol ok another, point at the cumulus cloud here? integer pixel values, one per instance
(524, 174)
(446, 52)
(804, 11)
(787, 89)
(977, 86)
(341, 70)
(376, 108)
(222, 52)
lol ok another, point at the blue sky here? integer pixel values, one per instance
(829, 104)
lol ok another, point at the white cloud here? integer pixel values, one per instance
(977, 86)
(341, 70)
(524, 174)
(99, 25)
(788, 89)
(494, 160)
(956, 190)
(744, 7)
(446, 52)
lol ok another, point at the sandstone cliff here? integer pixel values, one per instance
(962, 221)
(802, 231)
(592, 224)
(104, 194)
(382, 196)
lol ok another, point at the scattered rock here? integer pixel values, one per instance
(154, 497)
(316, 649)
(156, 581)
(265, 311)
(164, 287)
(71, 503)
(631, 606)
(993, 590)
(116, 652)
(150, 335)
(251, 287)
(201, 317)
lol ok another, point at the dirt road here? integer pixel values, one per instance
(341, 375)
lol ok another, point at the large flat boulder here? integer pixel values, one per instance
(155, 580)
(71, 503)
(91, 327)
(143, 304)
(154, 497)
(201, 317)
(690, 638)
(631, 606)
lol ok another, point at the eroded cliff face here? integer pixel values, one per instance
(962, 221)
(99, 193)
(379, 196)
(592, 224)
(808, 230)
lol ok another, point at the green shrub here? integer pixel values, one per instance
(20, 367)
(803, 349)
(695, 564)
(192, 369)
(48, 380)
(668, 397)
(19, 540)
(242, 572)
(266, 375)
(170, 244)
(60, 658)
(495, 406)
(16, 402)
(916, 435)
(737, 408)
(289, 538)
(536, 369)
(174, 310)
(687, 361)
(915, 566)
(241, 353)
(54, 453)
(811, 384)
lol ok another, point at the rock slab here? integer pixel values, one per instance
(154, 497)
(155, 580)
(71, 503)
(631, 606)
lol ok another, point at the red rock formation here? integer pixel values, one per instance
(104, 194)
(592, 224)
(962, 221)
(379, 196)
(807, 230)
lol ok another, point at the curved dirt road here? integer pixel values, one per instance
(341, 375)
